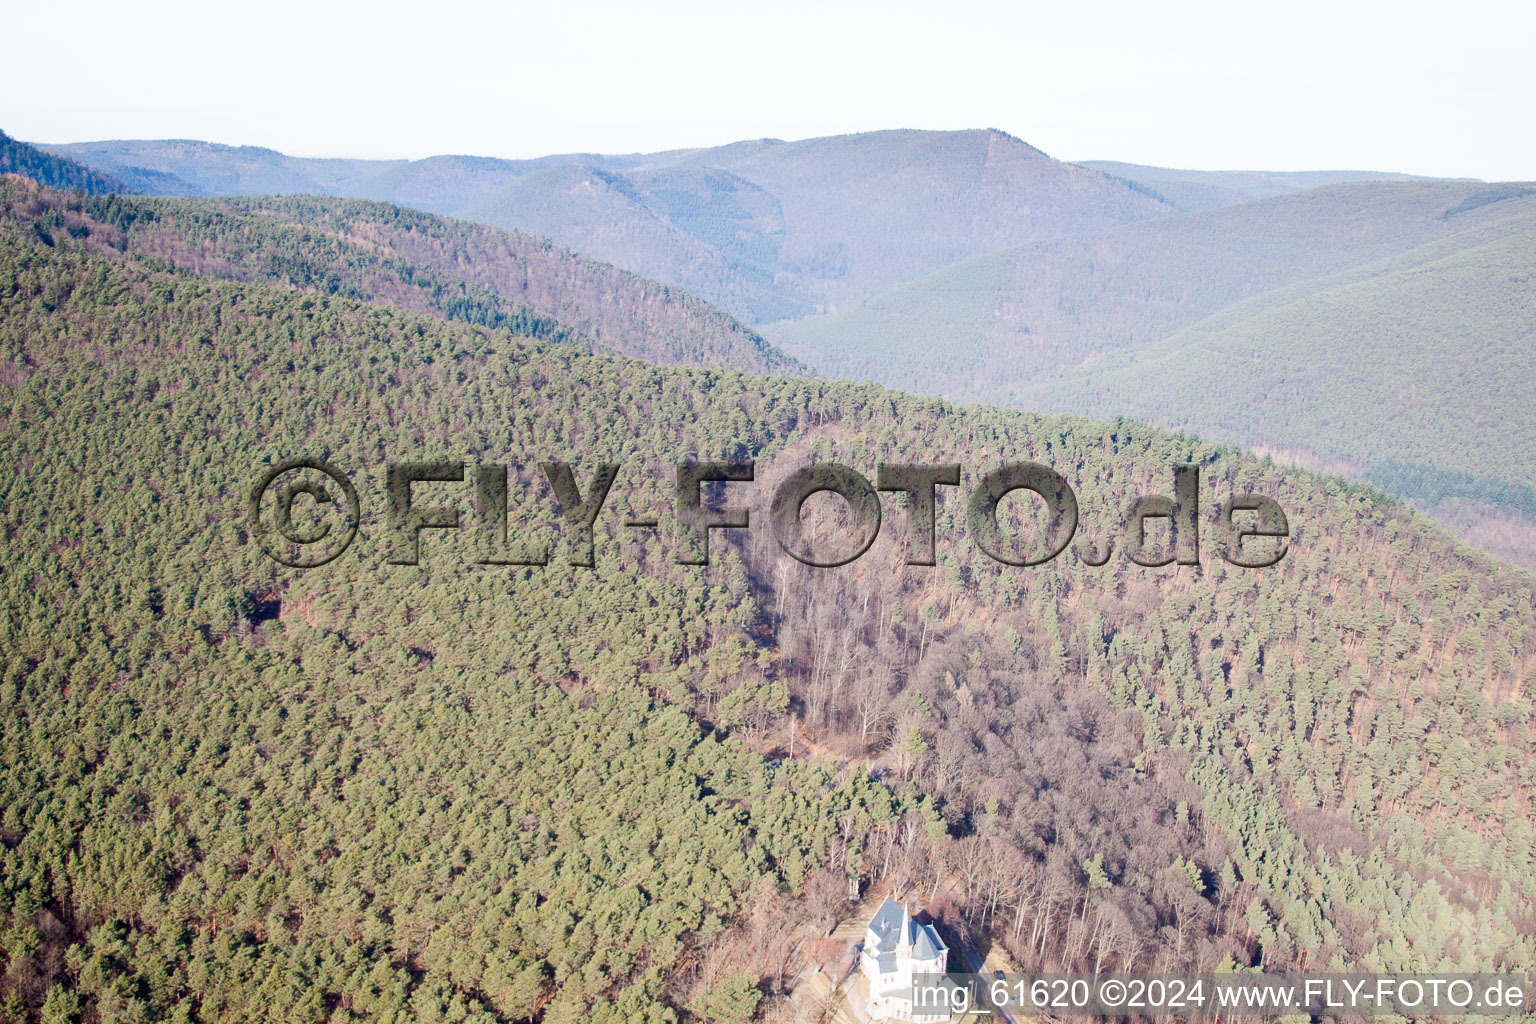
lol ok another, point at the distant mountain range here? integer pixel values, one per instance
(768, 230)
(1279, 310)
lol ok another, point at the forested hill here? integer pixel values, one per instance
(405, 258)
(1413, 372)
(57, 171)
(457, 791)
(1385, 329)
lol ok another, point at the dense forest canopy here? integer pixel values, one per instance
(642, 791)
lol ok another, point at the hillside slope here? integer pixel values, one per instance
(413, 260)
(439, 184)
(1010, 318)
(641, 223)
(1189, 190)
(823, 222)
(55, 171)
(485, 792)
(1416, 374)
(1324, 311)
(211, 168)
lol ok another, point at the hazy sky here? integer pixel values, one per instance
(1444, 89)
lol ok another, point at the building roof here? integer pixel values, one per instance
(928, 943)
(889, 924)
(894, 928)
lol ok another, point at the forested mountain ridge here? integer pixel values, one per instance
(1190, 190)
(818, 223)
(768, 230)
(771, 230)
(1352, 327)
(1414, 372)
(409, 259)
(210, 168)
(55, 171)
(607, 213)
(1020, 316)
(466, 792)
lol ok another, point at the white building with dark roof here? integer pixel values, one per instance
(896, 948)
